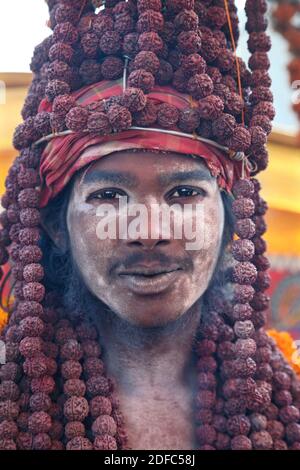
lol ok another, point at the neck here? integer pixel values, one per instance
(149, 358)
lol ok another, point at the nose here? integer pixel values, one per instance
(151, 230)
(147, 243)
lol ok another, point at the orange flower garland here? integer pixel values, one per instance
(288, 347)
(3, 320)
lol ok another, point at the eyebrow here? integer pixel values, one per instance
(115, 177)
(200, 175)
(129, 180)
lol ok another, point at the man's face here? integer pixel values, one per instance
(148, 277)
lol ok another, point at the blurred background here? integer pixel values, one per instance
(23, 26)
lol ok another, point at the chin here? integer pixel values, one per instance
(151, 317)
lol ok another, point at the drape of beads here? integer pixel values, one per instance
(186, 44)
(54, 392)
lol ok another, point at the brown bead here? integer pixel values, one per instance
(205, 399)
(243, 293)
(7, 444)
(33, 291)
(40, 402)
(110, 42)
(211, 107)
(245, 348)
(200, 85)
(147, 116)
(71, 370)
(98, 385)
(76, 409)
(74, 429)
(148, 61)
(71, 350)
(244, 273)
(189, 42)
(25, 441)
(39, 422)
(35, 367)
(244, 227)
(32, 326)
(30, 254)
(242, 250)
(100, 405)
(134, 99)
(104, 424)
(99, 123)
(28, 197)
(8, 430)
(63, 334)
(61, 51)
(55, 88)
(76, 119)
(10, 371)
(9, 390)
(120, 118)
(91, 348)
(93, 366)
(259, 422)
(150, 20)
(74, 387)
(45, 384)
(167, 115)
(238, 425)
(262, 440)
(79, 443)
(142, 79)
(244, 329)
(105, 442)
(30, 346)
(63, 104)
(289, 414)
(207, 364)
(100, 24)
(206, 434)
(150, 41)
(186, 20)
(89, 43)
(29, 236)
(65, 32)
(241, 443)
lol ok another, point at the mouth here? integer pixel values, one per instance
(149, 280)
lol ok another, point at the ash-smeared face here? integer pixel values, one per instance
(145, 229)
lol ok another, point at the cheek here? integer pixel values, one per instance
(209, 229)
(90, 253)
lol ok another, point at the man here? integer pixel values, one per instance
(151, 289)
(124, 334)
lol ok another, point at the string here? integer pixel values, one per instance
(235, 55)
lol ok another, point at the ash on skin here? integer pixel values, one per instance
(147, 339)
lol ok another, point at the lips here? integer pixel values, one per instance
(148, 271)
(149, 280)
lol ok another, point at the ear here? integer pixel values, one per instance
(54, 231)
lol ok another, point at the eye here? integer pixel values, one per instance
(186, 191)
(107, 194)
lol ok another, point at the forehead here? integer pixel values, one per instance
(141, 163)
